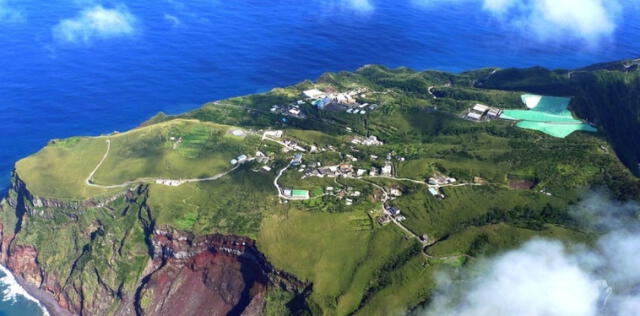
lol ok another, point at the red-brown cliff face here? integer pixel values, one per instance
(206, 284)
(185, 275)
(22, 261)
(209, 275)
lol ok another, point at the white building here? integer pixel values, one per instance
(494, 113)
(275, 134)
(313, 94)
(294, 111)
(386, 170)
(481, 108)
(474, 116)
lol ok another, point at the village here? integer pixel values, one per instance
(350, 170)
(305, 159)
(335, 101)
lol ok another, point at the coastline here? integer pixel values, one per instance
(45, 300)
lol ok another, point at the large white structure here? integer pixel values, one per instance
(313, 94)
(474, 116)
(274, 134)
(480, 108)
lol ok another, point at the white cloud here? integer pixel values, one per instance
(96, 22)
(590, 20)
(538, 279)
(545, 278)
(9, 14)
(544, 20)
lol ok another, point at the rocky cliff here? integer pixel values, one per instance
(107, 257)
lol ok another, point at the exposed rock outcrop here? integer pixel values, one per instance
(184, 275)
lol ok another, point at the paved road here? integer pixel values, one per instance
(275, 182)
(89, 179)
(425, 183)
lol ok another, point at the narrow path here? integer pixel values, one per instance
(89, 180)
(425, 183)
(277, 142)
(216, 177)
(275, 182)
(384, 200)
(431, 92)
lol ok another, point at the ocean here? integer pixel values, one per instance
(88, 67)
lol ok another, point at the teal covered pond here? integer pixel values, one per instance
(547, 114)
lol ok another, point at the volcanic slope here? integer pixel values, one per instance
(103, 223)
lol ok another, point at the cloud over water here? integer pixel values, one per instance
(96, 23)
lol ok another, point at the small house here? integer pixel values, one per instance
(297, 160)
(345, 168)
(386, 170)
(294, 111)
(394, 211)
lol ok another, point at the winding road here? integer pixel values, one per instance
(89, 180)
(275, 182)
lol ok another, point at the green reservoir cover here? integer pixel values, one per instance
(550, 116)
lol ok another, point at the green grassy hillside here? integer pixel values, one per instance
(511, 184)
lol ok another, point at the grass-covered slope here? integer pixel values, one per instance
(177, 149)
(515, 184)
(60, 169)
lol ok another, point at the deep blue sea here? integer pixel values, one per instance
(87, 67)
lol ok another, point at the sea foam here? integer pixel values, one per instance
(13, 289)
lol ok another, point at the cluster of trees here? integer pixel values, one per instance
(383, 277)
(524, 216)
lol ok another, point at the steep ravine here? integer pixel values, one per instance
(108, 258)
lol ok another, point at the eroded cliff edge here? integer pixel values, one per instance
(107, 257)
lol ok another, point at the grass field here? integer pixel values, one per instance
(436, 218)
(60, 169)
(230, 205)
(174, 150)
(489, 239)
(345, 257)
